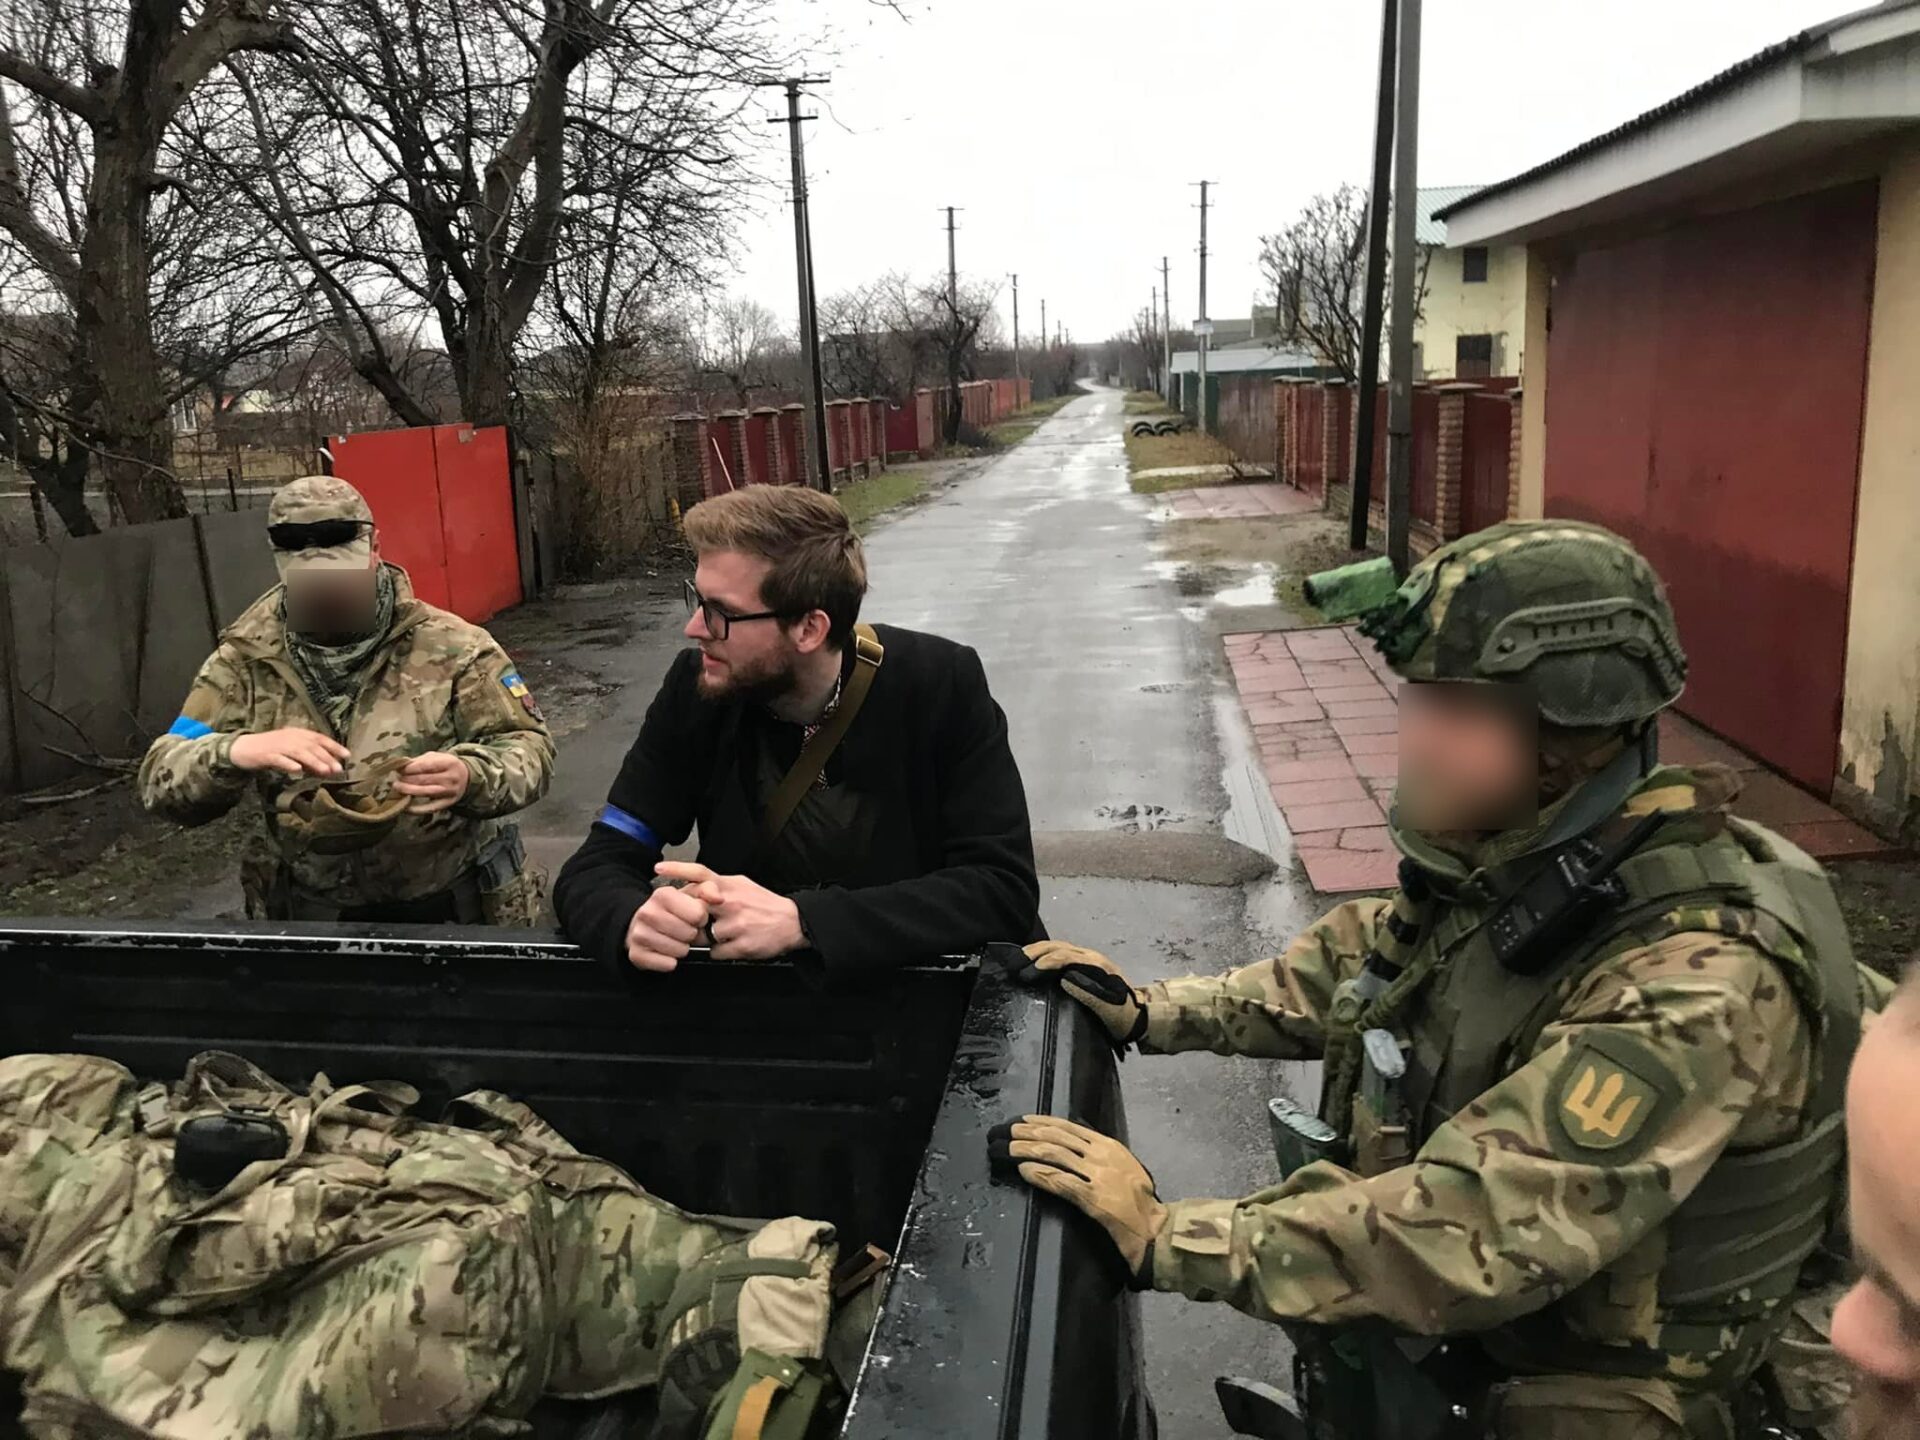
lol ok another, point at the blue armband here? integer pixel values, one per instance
(631, 826)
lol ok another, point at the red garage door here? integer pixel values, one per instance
(1704, 396)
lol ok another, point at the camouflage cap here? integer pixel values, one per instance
(316, 500)
(1569, 609)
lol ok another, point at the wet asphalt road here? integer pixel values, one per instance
(1121, 714)
(1117, 698)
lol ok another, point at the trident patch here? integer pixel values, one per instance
(1608, 1098)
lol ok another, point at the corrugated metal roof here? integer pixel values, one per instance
(1428, 230)
(1244, 359)
(1733, 75)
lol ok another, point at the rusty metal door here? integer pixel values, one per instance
(1309, 438)
(1705, 393)
(1486, 442)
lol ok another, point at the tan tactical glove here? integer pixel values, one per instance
(1093, 980)
(1091, 1171)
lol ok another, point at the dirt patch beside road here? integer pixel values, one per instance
(1213, 554)
(103, 855)
(1881, 900)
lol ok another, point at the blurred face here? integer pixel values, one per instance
(1469, 758)
(331, 606)
(1877, 1325)
(758, 660)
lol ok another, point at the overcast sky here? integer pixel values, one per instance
(1069, 130)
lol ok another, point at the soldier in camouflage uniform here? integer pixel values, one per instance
(1580, 1130)
(383, 739)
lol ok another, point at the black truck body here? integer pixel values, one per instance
(732, 1089)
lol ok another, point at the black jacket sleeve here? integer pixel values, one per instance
(983, 888)
(651, 805)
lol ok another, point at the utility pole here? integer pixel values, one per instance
(1166, 330)
(803, 257)
(1043, 325)
(1016, 328)
(1153, 324)
(1203, 327)
(953, 345)
(953, 274)
(1376, 282)
(1400, 352)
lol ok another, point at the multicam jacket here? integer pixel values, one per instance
(1539, 1213)
(441, 684)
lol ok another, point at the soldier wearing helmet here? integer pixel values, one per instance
(1579, 1138)
(384, 740)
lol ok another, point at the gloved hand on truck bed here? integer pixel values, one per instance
(1090, 1171)
(1093, 980)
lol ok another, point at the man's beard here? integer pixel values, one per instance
(1883, 1412)
(761, 684)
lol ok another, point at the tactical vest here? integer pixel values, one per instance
(1735, 1247)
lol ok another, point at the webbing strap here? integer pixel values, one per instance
(1730, 1186)
(1697, 1272)
(697, 1283)
(748, 1267)
(750, 1420)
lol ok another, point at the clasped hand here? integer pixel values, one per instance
(745, 920)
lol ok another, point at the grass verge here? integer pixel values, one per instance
(866, 500)
(1144, 402)
(1158, 452)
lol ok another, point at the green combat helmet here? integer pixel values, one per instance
(1569, 609)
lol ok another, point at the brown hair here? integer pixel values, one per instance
(805, 536)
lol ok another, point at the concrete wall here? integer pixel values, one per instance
(1880, 717)
(1452, 307)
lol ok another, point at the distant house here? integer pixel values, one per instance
(1722, 318)
(1472, 314)
(1266, 357)
(1259, 328)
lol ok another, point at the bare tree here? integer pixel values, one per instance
(879, 339)
(102, 219)
(1143, 342)
(1317, 267)
(442, 157)
(959, 316)
(743, 347)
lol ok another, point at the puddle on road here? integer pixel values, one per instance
(1234, 586)
(1257, 589)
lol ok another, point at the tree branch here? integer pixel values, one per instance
(85, 103)
(56, 260)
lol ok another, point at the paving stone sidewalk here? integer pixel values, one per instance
(1322, 707)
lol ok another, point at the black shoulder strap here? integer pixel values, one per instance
(868, 652)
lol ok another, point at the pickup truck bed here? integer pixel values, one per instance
(728, 1089)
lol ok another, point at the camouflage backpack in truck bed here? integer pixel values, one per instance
(375, 1274)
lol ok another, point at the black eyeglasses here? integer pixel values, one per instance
(717, 620)
(315, 534)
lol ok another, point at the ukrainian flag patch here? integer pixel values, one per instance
(517, 688)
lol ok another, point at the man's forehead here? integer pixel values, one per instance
(730, 572)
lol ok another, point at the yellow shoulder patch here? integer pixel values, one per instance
(1609, 1099)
